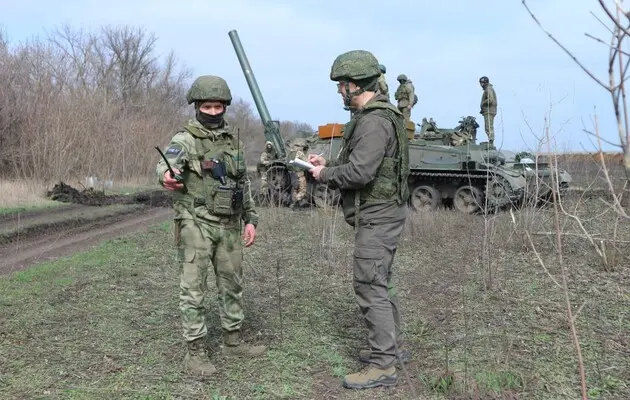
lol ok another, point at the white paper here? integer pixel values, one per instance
(301, 164)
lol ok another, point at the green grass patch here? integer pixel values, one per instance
(105, 323)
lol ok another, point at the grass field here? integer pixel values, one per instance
(483, 318)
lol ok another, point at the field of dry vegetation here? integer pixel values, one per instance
(531, 303)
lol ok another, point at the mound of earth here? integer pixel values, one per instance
(67, 194)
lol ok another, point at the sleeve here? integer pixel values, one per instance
(372, 136)
(177, 153)
(492, 98)
(249, 214)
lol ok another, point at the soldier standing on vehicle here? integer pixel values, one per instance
(488, 107)
(266, 157)
(406, 96)
(382, 82)
(371, 172)
(210, 204)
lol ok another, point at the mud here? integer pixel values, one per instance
(30, 237)
(91, 197)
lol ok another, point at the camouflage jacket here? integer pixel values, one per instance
(199, 153)
(373, 165)
(382, 85)
(267, 156)
(405, 94)
(488, 101)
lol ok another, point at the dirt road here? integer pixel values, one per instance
(36, 236)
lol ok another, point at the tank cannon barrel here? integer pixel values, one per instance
(272, 128)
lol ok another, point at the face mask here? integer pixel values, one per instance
(209, 121)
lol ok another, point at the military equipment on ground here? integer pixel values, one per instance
(541, 177)
(278, 176)
(448, 166)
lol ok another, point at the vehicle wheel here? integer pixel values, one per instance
(497, 192)
(279, 181)
(323, 196)
(467, 199)
(425, 197)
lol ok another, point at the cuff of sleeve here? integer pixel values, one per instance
(323, 174)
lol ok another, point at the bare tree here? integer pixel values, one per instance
(616, 21)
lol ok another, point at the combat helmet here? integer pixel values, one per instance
(355, 65)
(209, 87)
(401, 78)
(484, 79)
(382, 68)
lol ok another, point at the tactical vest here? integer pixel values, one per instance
(212, 173)
(390, 183)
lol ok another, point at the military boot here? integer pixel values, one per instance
(402, 356)
(371, 377)
(196, 359)
(235, 347)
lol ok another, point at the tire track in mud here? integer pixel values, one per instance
(50, 245)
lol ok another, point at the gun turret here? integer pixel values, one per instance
(272, 128)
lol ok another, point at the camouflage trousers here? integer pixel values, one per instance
(488, 120)
(299, 192)
(406, 113)
(201, 245)
(263, 179)
(374, 251)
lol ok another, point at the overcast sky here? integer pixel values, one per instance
(443, 47)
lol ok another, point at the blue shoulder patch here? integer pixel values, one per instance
(174, 151)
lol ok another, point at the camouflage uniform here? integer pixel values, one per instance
(298, 148)
(382, 82)
(405, 95)
(371, 172)
(266, 157)
(208, 218)
(488, 107)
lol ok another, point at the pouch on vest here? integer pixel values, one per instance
(222, 202)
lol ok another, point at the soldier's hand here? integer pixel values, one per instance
(316, 160)
(249, 234)
(316, 172)
(170, 183)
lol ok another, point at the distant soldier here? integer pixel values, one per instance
(298, 148)
(266, 158)
(382, 82)
(488, 107)
(406, 96)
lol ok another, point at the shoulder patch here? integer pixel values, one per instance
(174, 150)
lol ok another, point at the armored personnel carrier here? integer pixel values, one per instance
(447, 166)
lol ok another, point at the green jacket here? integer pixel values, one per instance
(372, 168)
(382, 85)
(488, 101)
(405, 94)
(198, 152)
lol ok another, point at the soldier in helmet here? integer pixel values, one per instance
(406, 96)
(488, 107)
(211, 203)
(266, 157)
(371, 172)
(382, 82)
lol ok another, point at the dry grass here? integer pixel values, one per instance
(21, 193)
(482, 318)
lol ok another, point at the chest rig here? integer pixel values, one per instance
(390, 183)
(215, 168)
